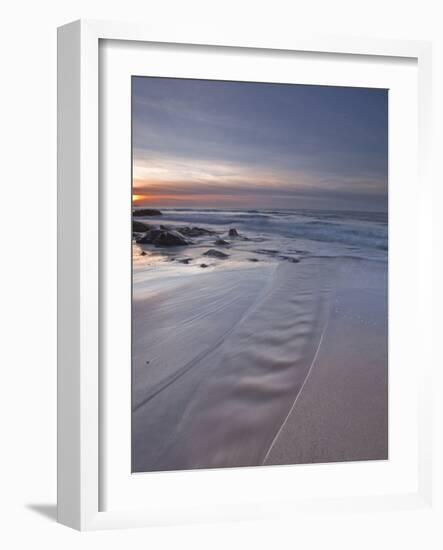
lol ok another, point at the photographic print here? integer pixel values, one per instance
(259, 274)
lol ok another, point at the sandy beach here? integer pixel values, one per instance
(274, 352)
(341, 414)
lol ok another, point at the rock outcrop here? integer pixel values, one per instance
(161, 237)
(140, 227)
(194, 231)
(146, 212)
(216, 254)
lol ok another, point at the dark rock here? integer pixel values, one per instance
(170, 238)
(253, 259)
(184, 260)
(142, 253)
(215, 254)
(140, 227)
(194, 231)
(233, 233)
(149, 237)
(160, 237)
(204, 265)
(146, 212)
(221, 242)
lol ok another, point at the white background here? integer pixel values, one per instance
(28, 286)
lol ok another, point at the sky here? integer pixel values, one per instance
(216, 144)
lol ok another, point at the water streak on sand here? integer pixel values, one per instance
(245, 385)
(277, 435)
(202, 355)
(173, 328)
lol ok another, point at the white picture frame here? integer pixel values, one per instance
(81, 441)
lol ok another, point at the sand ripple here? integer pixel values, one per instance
(224, 406)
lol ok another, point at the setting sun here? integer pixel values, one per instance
(136, 198)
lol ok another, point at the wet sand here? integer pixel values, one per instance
(341, 414)
(221, 357)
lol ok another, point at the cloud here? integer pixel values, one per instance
(202, 173)
(287, 144)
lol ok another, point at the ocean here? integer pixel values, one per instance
(295, 233)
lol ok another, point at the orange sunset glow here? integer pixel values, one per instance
(170, 199)
(138, 198)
